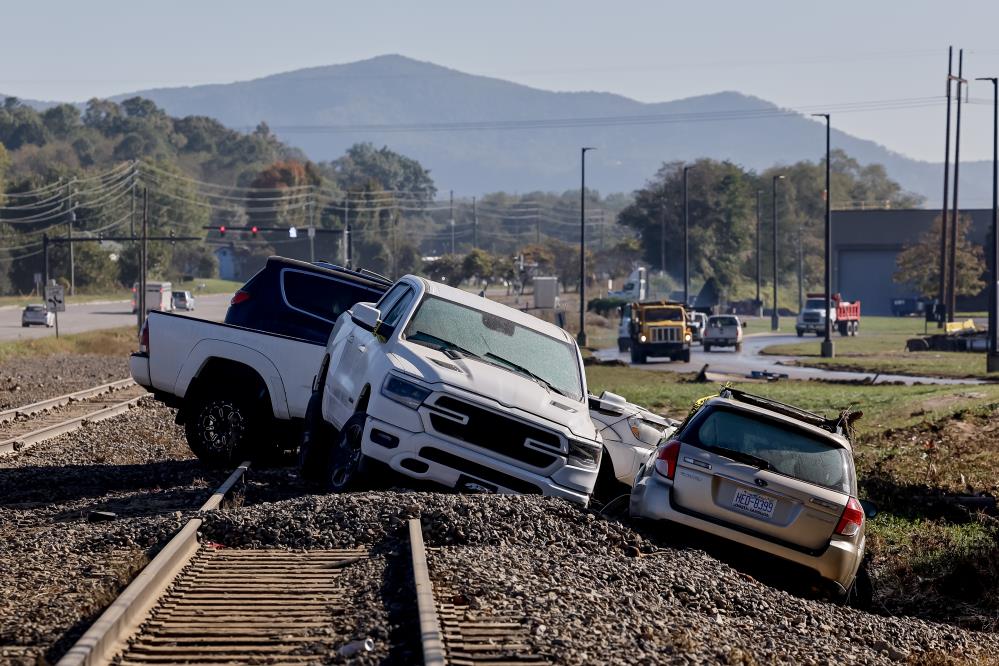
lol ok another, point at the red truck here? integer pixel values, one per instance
(845, 315)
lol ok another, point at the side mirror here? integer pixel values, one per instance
(870, 508)
(366, 316)
(744, 324)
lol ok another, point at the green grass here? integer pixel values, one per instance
(211, 286)
(884, 406)
(880, 347)
(107, 342)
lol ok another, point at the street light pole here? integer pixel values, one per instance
(992, 358)
(581, 338)
(662, 234)
(774, 317)
(759, 256)
(828, 350)
(686, 245)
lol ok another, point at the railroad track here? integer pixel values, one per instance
(28, 425)
(199, 602)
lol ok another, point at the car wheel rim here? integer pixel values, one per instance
(222, 426)
(348, 456)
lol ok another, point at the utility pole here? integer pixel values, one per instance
(603, 223)
(992, 358)
(662, 234)
(45, 260)
(774, 317)
(452, 221)
(581, 338)
(346, 231)
(952, 278)
(759, 256)
(475, 225)
(686, 243)
(537, 225)
(131, 217)
(70, 219)
(313, 205)
(143, 258)
(943, 215)
(801, 277)
(828, 351)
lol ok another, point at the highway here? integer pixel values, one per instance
(728, 362)
(93, 316)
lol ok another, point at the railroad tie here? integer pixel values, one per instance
(233, 606)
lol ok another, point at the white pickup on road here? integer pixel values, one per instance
(449, 387)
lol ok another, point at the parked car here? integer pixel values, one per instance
(624, 333)
(629, 435)
(723, 331)
(775, 478)
(448, 387)
(183, 300)
(36, 314)
(242, 387)
(697, 321)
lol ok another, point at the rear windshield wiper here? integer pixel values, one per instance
(521, 369)
(739, 456)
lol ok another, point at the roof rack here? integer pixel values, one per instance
(839, 425)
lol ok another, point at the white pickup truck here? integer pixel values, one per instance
(723, 331)
(242, 387)
(449, 387)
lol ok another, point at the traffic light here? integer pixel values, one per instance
(222, 231)
(253, 231)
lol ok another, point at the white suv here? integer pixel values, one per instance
(446, 386)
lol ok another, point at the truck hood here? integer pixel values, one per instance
(493, 384)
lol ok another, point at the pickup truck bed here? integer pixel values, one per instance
(231, 384)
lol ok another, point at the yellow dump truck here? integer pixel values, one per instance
(659, 328)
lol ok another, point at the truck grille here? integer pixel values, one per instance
(664, 334)
(811, 317)
(495, 432)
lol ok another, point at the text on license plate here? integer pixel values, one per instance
(753, 503)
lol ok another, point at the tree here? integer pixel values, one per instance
(446, 268)
(918, 264)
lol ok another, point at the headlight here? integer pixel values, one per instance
(404, 392)
(644, 432)
(585, 454)
(641, 338)
(686, 338)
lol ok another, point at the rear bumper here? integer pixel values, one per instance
(138, 367)
(722, 342)
(425, 456)
(651, 497)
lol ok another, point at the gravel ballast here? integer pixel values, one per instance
(596, 591)
(60, 564)
(27, 380)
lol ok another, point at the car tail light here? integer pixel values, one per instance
(852, 520)
(144, 338)
(667, 457)
(240, 297)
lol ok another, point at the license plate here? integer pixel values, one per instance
(753, 503)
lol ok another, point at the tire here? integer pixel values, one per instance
(861, 592)
(707, 348)
(607, 487)
(855, 326)
(637, 356)
(685, 356)
(843, 328)
(317, 441)
(222, 430)
(347, 465)
(800, 332)
(738, 347)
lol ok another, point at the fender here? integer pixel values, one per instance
(207, 349)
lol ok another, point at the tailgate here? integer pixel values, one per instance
(764, 502)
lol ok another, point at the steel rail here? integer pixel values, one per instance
(431, 636)
(107, 635)
(24, 440)
(59, 401)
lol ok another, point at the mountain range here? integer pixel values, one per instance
(479, 134)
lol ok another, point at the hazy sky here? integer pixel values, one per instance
(792, 52)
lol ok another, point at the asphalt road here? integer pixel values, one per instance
(94, 316)
(728, 362)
